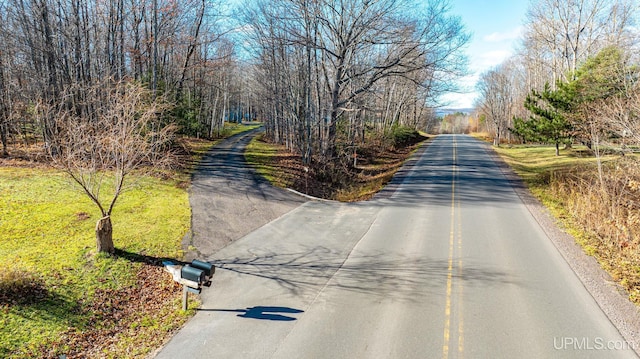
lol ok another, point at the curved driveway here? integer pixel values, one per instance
(452, 264)
(228, 200)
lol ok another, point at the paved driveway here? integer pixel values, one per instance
(229, 201)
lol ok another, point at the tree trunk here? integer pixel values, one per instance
(3, 139)
(104, 231)
(3, 111)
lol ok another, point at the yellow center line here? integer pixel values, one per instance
(455, 240)
(447, 308)
(460, 288)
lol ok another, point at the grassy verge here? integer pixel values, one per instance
(269, 160)
(536, 163)
(375, 168)
(601, 215)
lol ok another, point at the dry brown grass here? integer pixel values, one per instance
(607, 214)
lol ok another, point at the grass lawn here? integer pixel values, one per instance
(57, 296)
(535, 164)
(51, 275)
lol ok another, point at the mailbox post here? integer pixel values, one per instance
(192, 277)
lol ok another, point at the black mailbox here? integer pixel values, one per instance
(208, 268)
(193, 274)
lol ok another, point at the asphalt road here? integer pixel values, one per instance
(451, 265)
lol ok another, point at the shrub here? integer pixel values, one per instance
(608, 212)
(402, 136)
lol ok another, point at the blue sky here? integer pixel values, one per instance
(495, 27)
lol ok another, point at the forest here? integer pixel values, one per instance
(323, 75)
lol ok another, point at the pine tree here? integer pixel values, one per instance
(547, 123)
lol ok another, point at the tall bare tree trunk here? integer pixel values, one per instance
(190, 50)
(4, 116)
(154, 83)
(3, 139)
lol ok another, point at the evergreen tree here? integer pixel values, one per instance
(570, 112)
(547, 123)
(599, 79)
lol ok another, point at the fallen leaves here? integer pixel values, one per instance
(127, 322)
(19, 287)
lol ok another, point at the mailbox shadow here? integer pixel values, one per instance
(262, 313)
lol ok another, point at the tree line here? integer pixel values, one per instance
(178, 49)
(575, 66)
(318, 73)
(332, 71)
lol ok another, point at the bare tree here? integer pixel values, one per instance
(621, 114)
(4, 105)
(496, 100)
(124, 133)
(329, 66)
(564, 33)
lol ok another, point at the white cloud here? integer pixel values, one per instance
(493, 58)
(491, 51)
(466, 95)
(459, 100)
(510, 35)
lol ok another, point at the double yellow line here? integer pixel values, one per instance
(455, 235)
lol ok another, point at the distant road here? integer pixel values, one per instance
(451, 265)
